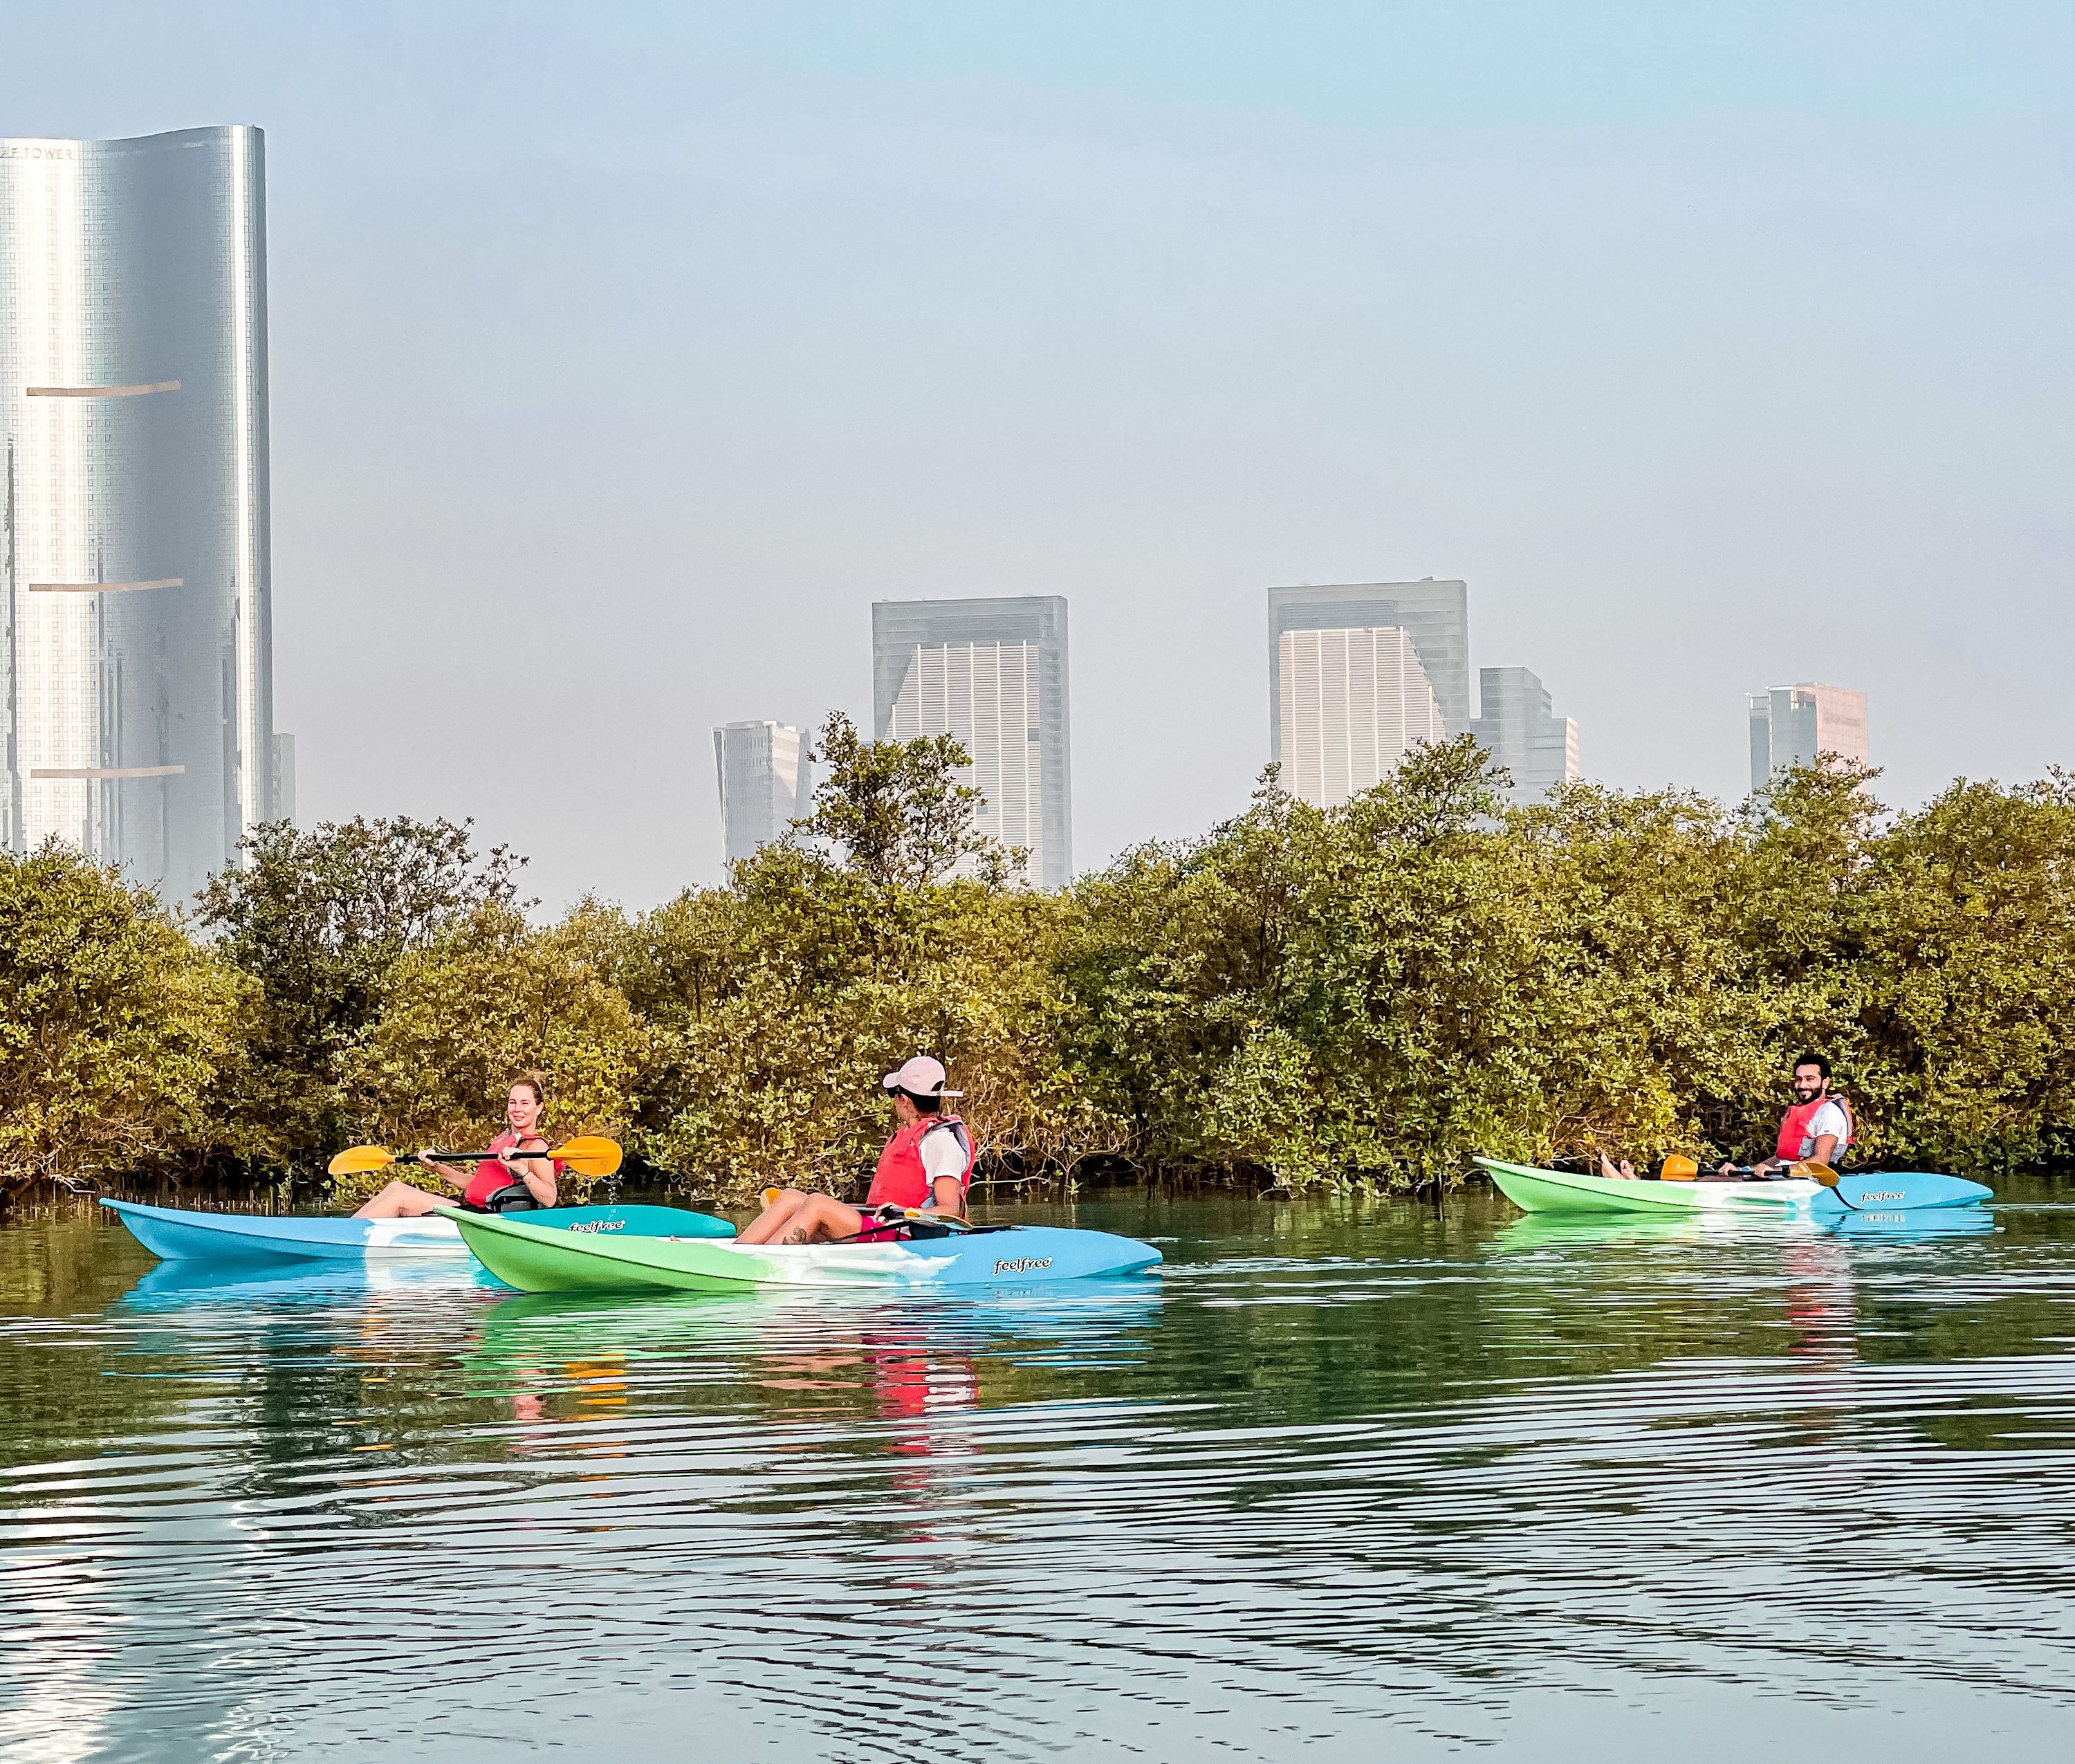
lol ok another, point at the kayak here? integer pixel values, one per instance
(522, 1254)
(1575, 1191)
(173, 1232)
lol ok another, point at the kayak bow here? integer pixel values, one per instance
(1576, 1191)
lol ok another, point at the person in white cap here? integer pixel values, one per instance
(927, 1164)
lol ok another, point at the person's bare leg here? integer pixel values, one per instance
(773, 1219)
(400, 1200)
(797, 1218)
(823, 1218)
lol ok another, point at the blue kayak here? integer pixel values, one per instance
(175, 1232)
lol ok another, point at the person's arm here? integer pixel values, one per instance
(944, 1163)
(445, 1174)
(1826, 1148)
(537, 1173)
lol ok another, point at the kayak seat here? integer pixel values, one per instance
(512, 1198)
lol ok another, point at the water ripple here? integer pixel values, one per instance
(1427, 1480)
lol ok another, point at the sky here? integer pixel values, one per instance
(622, 355)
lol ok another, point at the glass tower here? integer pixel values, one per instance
(1520, 730)
(765, 784)
(1796, 725)
(992, 673)
(136, 685)
(1352, 704)
(1435, 615)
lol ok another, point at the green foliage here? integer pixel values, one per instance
(1361, 995)
(896, 809)
(487, 1000)
(115, 1031)
(320, 920)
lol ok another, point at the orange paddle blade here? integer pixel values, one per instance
(589, 1155)
(1816, 1172)
(1679, 1168)
(359, 1159)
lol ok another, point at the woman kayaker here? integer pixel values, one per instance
(503, 1182)
(927, 1164)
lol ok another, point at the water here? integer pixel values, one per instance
(1357, 1481)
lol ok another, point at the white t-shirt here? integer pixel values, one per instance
(1829, 1119)
(943, 1154)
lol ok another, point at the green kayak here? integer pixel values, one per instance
(524, 1256)
(1576, 1191)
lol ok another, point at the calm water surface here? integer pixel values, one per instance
(1355, 1481)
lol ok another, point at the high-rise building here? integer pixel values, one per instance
(138, 692)
(993, 673)
(1520, 729)
(1435, 615)
(765, 784)
(1352, 703)
(1792, 724)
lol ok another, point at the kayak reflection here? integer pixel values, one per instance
(790, 1356)
(173, 1286)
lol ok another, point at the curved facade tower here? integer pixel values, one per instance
(138, 692)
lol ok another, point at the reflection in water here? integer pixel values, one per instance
(1351, 1479)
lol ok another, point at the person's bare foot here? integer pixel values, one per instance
(1625, 1173)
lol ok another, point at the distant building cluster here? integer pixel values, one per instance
(136, 673)
(1359, 675)
(1796, 725)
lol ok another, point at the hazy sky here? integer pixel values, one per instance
(623, 355)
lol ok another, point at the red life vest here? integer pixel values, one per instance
(1794, 1129)
(490, 1176)
(901, 1180)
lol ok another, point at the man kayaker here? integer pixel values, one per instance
(1815, 1130)
(927, 1164)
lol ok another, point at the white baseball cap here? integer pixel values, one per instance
(921, 1076)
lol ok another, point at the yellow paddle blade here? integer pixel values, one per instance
(771, 1196)
(589, 1157)
(1679, 1168)
(357, 1158)
(1815, 1172)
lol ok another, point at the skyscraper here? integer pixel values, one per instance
(1353, 702)
(1435, 615)
(765, 784)
(1792, 725)
(992, 673)
(1360, 673)
(1520, 729)
(135, 663)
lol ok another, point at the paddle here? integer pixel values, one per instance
(586, 1157)
(1822, 1173)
